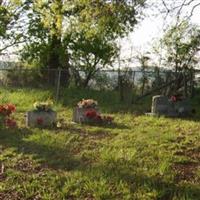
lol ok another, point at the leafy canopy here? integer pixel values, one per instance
(181, 44)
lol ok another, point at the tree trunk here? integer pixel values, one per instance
(88, 78)
(65, 74)
(185, 83)
(77, 78)
(192, 89)
(55, 63)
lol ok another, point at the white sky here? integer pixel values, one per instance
(149, 31)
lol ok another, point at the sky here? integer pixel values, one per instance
(150, 30)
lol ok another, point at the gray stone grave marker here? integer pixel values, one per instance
(40, 118)
(79, 114)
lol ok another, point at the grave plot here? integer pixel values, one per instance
(42, 116)
(87, 111)
(173, 107)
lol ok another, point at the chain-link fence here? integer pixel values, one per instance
(129, 84)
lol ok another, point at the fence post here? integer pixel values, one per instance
(192, 77)
(58, 85)
(120, 85)
(133, 87)
(134, 78)
(185, 84)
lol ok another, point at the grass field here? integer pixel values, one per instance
(139, 157)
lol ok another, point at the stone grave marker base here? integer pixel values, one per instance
(161, 106)
(41, 118)
(79, 114)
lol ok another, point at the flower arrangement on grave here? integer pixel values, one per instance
(95, 117)
(176, 98)
(87, 103)
(173, 98)
(40, 121)
(42, 115)
(6, 119)
(43, 106)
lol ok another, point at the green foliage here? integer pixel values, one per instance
(140, 157)
(10, 27)
(106, 18)
(89, 55)
(181, 44)
(78, 34)
(143, 60)
(4, 20)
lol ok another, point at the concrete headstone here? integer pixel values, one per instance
(160, 105)
(79, 114)
(40, 118)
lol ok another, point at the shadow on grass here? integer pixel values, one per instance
(74, 127)
(192, 117)
(109, 101)
(48, 152)
(111, 126)
(55, 157)
(115, 171)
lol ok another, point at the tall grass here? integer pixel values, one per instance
(139, 157)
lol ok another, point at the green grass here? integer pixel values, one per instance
(139, 157)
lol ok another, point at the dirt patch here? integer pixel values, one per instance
(26, 165)
(180, 138)
(10, 195)
(186, 172)
(98, 135)
(14, 195)
(194, 154)
(191, 150)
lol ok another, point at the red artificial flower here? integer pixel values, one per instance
(98, 117)
(173, 98)
(7, 109)
(91, 113)
(40, 121)
(11, 107)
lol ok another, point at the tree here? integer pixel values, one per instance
(143, 60)
(88, 56)
(181, 45)
(45, 32)
(78, 35)
(177, 7)
(10, 26)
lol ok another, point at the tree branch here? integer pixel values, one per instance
(10, 45)
(180, 7)
(193, 9)
(165, 5)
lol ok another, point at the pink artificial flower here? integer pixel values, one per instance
(173, 98)
(40, 121)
